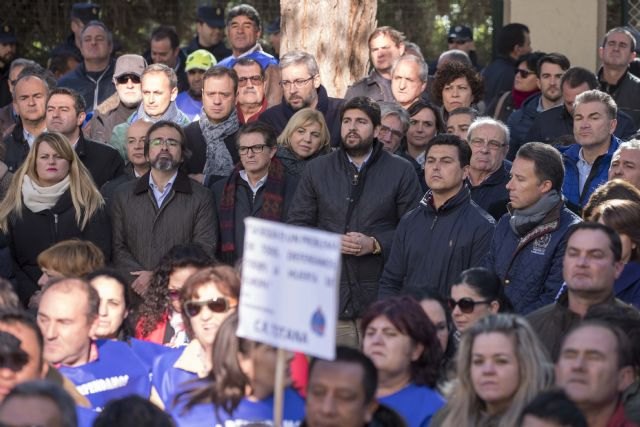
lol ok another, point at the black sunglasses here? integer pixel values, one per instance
(467, 305)
(126, 77)
(218, 305)
(524, 73)
(14, 361)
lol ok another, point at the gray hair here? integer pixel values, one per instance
(161, 68)
(393, 109)
(22, 62)
(456, 55)
(423, 73)
(596, 95)
(488, 121)
(96, 23)
(632, 144)
(296, 57)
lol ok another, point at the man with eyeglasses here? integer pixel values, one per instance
(529, 242)
(302, 88)
(212, 138)
(446, 234)
(616, 53)
(252, 101)
(257, 187)
(92, 78)
(488, 170)
(120, 106)
(190, 101)
(590, 268)
(161, 209)
(359, 191)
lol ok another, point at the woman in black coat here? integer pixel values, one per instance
(52, 197)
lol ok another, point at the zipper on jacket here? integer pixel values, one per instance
(433, 223)
(55, 225)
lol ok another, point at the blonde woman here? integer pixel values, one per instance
(51, 198)
(502, 365)
(305, 137)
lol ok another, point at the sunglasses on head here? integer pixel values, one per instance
(126, 77)
(524, 73)
(218, 305)
(467, 305)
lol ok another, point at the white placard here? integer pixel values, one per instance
(289, 296)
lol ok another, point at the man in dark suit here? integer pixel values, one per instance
(65, 114)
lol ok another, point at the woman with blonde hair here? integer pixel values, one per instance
(52, 198)
(501, 367)
(305, 137)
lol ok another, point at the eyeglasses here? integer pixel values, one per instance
(386, 129)
(524, 73)
(298, 83)
(255, 149)
(126, 77)
(492, 143)
(174, 294)
(218, 305)
(169, 143)
(255, 80)
(467, 305)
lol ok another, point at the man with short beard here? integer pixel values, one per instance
(301, 88)
(118, 107)
(359, 191)
(161, 209)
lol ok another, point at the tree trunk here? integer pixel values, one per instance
(335, 32)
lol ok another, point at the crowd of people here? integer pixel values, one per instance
(489, 221)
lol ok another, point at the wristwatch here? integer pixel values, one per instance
(377, 249)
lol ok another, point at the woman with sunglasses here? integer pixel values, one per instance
(403, 345)
(477, 293)
(159, 315)
(239, 389)
(525, 84)
(304, 138)
(456, 85)
(207, 298)
(502, 366)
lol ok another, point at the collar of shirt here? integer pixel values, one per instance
(584, 169)
(256, 48)
(366, 158)
(260, 183)
(28, 136)
(161, 195)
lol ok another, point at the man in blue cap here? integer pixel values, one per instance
(8, 43)
(81, 14)
(210, 32)
(461, 37)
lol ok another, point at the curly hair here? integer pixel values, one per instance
(452, 71)
(406, 314)
(156, 300)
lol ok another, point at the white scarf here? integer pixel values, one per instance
(38, 198)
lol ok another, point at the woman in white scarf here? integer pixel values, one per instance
(51, 198)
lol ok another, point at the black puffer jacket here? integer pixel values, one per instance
(36, 231)
(388, 189)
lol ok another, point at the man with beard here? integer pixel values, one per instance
(252, 101)
(301, 89)
(122, 104)
(65, 114)
(549, 73)
(161, 209)
(386, 45)
(190, 101)
(360, 191)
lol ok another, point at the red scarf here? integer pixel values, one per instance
(519, 97)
